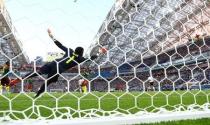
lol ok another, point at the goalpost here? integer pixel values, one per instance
(156, 68)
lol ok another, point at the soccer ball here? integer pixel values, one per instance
(80, 82)
(102, 50)
(83, 82)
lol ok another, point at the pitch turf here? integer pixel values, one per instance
(68, 103)
(204, 121)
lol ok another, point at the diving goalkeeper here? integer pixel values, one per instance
(70, 59)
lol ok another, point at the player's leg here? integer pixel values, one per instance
(29, 87)
(51, 70)
(1, 88)
(6, 83)
(84, 89)
(49, 81)
(7, 88)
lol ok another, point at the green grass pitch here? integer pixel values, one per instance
(62, 104)
(204, 121)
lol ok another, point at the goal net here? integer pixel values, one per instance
(152, 64)
(56, 90)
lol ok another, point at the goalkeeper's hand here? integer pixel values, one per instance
(50, 33)
(94, 57)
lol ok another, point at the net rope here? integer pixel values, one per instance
(154, 59)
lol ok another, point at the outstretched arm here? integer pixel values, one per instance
(58, 44)
(62, 47)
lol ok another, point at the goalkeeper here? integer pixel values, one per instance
(70, 59)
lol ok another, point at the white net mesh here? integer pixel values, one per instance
(153, 57)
